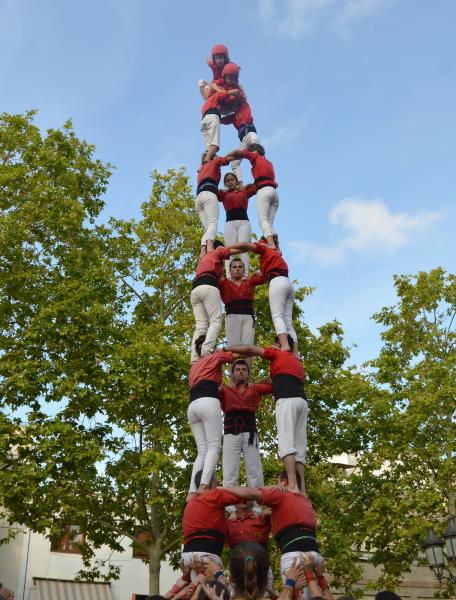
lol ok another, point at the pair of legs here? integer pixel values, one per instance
(207, 310)
(291, 421)
(240, 329)
(205, 420)
(210, 128)
(267, 205)
(234, 232)
(250, 138)
(207, 207)
(281, 300)
(233, 446)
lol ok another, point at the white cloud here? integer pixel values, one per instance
(369, 226)
(295, 18)
(284, 134)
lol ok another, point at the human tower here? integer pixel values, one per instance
(222, 275)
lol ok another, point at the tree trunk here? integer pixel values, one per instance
(154, 568)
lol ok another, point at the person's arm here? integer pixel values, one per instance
(217, 88)
(245, 493)
(250, 189)
(257, 278)
(245, 247)
(238, 153)
(295, 580)
(246, 350)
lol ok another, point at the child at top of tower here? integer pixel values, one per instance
(218, 59)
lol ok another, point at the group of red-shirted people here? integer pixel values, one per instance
(242, 518)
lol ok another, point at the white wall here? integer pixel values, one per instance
(30, 556)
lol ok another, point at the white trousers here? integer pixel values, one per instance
(207, 310)
(287, 559)
(207, 207)
(281, 300)
(291, 421)
(250, 138)
(239, 329)
(210, 128)
(233, 447)
(267, 205)
(205, 420)
(234, 232)
(187, 558)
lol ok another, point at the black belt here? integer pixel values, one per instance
(204, 389)
(287, 386)
(297, 538)
(277, 273)
(208, 184)
(244, 130)
(239, 307)
(208, 278)
(237, 214)
(240, 421)
(205, 540)
(267, 182)
(212, 111)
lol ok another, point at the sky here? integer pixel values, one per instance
(354, 101)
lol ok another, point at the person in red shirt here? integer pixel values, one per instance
(237, 295)
(224, 101)
(287, 374)
(240, 402)
(266, 185)
(203, 520)
(205, 298)
(242, 119)
(281, 293)
(237, 225)
(218, 59)
(206, 203)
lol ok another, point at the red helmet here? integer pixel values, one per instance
(220, 49)
(231, 69)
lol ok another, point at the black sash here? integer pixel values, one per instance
(277, 273)
(239, 307)
(212, 111)
(205, 540)
(297, 538)
(237, 214)
(208, 278)
(287, 386)
(204, 389)
(244, 130)
(267, 182)
(208, 184)
(238, 421)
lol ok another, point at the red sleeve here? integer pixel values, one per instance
(220, 496)
(250, 190)
(222, 397)
(269, 353)
(257, 279)
(251, 156)
(225, 357)
(271, 496)
(263, 388)
(260, 248)
(223, 253)
(221, 195)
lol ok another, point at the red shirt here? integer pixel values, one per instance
(251, 528)
(236, 198)
(233, 398)
(209, 368)
(229, 291)
(270, 259)
(214, 102)
(207, 511)
(283, 363)
(262, 169)
(211, 169)
(212, 262)
(288, 508)
(242, 116)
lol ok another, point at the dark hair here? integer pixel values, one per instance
(236, 259)
(241, 361)
(257, 148)
(219, 588)
(229, 173)
(199, 342)
(284, 476)
(249, 566)
(217, 243)
(385, 595)
(291, 341)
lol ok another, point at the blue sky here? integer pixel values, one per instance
(353, 99)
